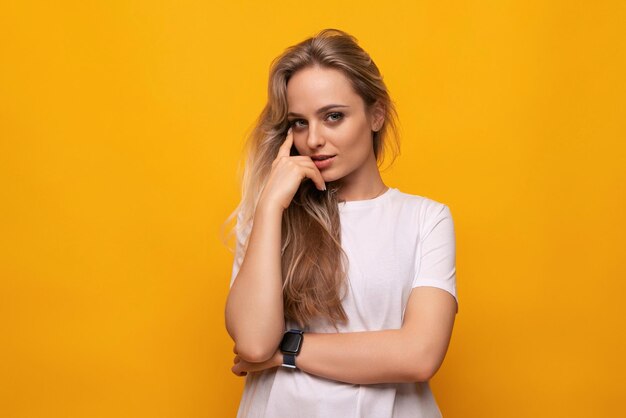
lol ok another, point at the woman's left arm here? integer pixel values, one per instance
(412, 353)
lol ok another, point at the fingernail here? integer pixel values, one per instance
(289, 131)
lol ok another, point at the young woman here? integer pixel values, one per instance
(343, 290)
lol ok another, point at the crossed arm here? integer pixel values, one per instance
(412, 353)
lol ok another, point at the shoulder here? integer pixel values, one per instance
(425, 207)
(421, 213)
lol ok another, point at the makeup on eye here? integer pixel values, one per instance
(338, 115)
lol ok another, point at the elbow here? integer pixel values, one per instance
(255, 351)
(424, 372)
(253, 348)
(425, 365)
(253, 354)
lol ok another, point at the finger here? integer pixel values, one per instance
(293, 158)
(316, 177)
(285, 148)
(302, 159)
(312, 172)
(236, 371)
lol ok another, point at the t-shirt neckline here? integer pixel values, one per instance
(367, 203)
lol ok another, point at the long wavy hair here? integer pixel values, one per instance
(314, 265)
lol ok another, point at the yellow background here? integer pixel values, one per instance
(121, 125)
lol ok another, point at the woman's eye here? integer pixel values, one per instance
(335, 116)
(294, 123)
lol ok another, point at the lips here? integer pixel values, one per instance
(323, 161)
(321, 157)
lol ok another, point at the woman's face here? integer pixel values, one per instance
(329, 118)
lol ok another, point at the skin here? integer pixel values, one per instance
(254, 308)
(345, 132)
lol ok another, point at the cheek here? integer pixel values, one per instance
(358, 139)
(299, 145)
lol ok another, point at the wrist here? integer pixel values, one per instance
(277, 360)
(290, 347)
(265, 209)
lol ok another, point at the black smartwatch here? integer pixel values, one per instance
(290, 346)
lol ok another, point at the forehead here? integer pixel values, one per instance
(311, 88)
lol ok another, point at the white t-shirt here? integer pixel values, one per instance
(394, 242)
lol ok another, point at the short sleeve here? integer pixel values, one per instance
(242, 232)
(436, 258)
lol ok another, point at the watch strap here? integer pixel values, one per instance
(289, 360)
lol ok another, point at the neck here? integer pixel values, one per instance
(372, 191)
(363, 184)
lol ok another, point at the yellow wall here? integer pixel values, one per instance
(121, 125)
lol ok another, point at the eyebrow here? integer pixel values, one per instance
(320, 110)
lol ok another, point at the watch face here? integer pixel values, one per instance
(291, 343)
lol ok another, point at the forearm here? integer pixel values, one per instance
(386, 356)
(254, 308)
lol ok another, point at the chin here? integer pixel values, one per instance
(329, 177)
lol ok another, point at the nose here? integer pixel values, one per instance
(315, 138)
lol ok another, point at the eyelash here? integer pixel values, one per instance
(293, 122)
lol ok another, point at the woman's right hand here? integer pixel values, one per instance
(288, 172)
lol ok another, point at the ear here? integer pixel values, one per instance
(377, 116)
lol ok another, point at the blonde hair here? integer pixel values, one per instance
(314, 266)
